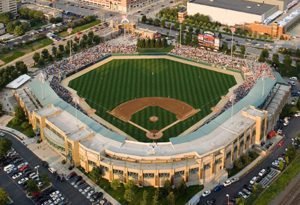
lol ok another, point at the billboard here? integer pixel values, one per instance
(209, 40)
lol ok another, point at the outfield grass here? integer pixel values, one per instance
(280, 183)
(24, 49)
(79, 28)
(118, 81)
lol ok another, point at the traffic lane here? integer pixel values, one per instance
(291, 131)
(66, 189)
(15, 192)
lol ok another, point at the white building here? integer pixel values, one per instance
(231, 12)
(8, 6)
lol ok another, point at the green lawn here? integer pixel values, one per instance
(280, 183)
(80, 28)
(24, 49)
(155, 50)
(26, 131)
(121, 80)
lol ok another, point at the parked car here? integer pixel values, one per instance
(253, 180)
(227, 182)
(262, 172)
(206, 193)
(218, 188)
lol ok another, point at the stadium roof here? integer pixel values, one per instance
(18, 82)
(47, 96)
(237, 5)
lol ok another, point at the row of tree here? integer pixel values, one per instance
(10, 73)
(72, 46)
(82, 21)
(152, 43)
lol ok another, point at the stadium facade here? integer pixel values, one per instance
(197, 158)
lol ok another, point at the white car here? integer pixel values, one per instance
(253, 180)
(227, 182)
(293, 78)
(292, 83)
(206, 193)
(234, 179)
(16, 176)
(23, 180)
(262, 172)
(297, 114)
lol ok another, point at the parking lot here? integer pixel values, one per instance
(68, 192)
(21, 173)
(86, 190)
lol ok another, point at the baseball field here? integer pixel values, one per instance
(122, 80)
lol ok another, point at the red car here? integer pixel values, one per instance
(280, 143)
(23, 168)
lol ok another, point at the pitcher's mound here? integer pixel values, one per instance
(153, 119)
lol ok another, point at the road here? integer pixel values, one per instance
(66, 189)
(291, 131)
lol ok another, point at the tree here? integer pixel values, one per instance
(3, 197)
(45, 179)
(144, 19)
(129, 195)
(291, 152)
(240, 201)
(264, 55)
(155, 199)
(5, 146)
(32, 186)
(275, 59)
(19, 30)
(96, 39)
(145, 198)
(281, 165)
(6, 17)
(61, 48)
(19, 113)
(36, 58)
(171, 198)
(21, 67)
(287, 61)
(243, 49)
(182, 187)
(54, 51)
(115, 184)
(96, 174)
(168, 186)
(45, 54)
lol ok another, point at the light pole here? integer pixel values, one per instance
(227, 195)
(232, 31)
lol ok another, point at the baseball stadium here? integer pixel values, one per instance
(186, 115)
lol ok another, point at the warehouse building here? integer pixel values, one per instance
(232, 12)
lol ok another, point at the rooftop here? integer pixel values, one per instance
(237, 5)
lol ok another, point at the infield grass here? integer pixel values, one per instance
(122, 80)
